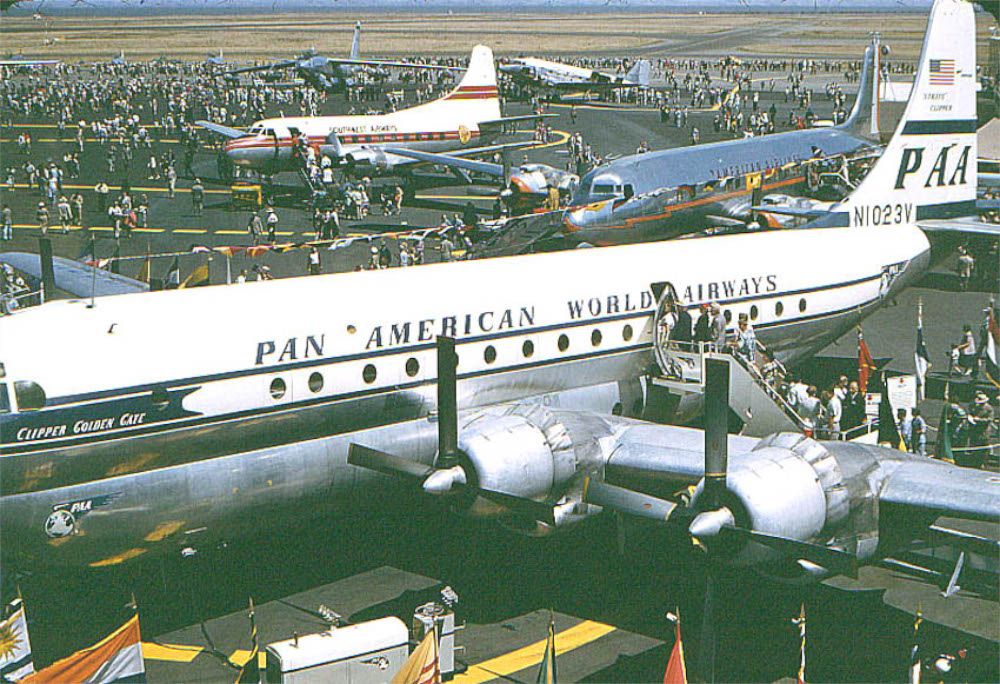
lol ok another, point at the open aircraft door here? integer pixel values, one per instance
(663, 323)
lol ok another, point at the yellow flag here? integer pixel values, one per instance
(422, 666)
(199, 276)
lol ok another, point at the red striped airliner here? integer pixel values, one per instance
(465, 119)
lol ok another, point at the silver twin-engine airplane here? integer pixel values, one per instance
(150, 422)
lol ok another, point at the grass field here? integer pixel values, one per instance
(247, 36)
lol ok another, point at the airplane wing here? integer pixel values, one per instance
(968, 226)
(791, 211)
(449, 160)
(74, 277)
(390, 63)
(225, 131)
(264, 67)
(28, 62)
(411, 156)
(496, 123)
(937, 487)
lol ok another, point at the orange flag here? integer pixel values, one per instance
(676, 672)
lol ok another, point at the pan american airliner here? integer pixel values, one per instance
(180, 418)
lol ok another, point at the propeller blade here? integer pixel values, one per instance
(381, 462)
(536, 510)
(834, 560)
(628, 501)
(447, 401)
(716, 431)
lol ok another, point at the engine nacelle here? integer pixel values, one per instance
(792, 487)
(530, 452)
(368, 157)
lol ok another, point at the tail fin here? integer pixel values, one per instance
(860, 119)
(928, 168)
(356, 42)
(481, 73)
(639, 73)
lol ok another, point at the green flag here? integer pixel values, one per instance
(943, 450)
(547, 669)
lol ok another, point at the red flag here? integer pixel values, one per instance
(866, 364)
(676, 672)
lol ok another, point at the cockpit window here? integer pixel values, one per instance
(30, 395)
(268, 132)
(4, 398)
(604, 189)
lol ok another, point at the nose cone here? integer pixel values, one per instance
(709, 523)
(589, 216)
(240, 150)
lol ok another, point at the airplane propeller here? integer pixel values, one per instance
(452, 475)
(710, 522)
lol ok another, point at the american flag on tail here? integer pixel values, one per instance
(942, 72)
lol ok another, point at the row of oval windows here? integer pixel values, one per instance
(369, 373)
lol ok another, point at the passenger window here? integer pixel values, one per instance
(802, 305)
(368, 374)
(30, 395)
(779, 309)
(315, 382)
(4, 398)
(412, 366)
(595, 338)
(277, 388)
(563, 343)
(528, 349)
(490, 355)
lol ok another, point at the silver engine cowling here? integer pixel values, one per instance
(533, 452)
(788, 486)
(368, 158)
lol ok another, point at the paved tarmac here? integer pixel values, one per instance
(506, 584)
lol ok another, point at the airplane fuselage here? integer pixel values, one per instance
(250, 403)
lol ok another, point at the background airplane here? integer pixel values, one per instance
(332, 74)
(464, 119)
(548, 74)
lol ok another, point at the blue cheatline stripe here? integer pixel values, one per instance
(947, 209)
(202, 421)
(174, 383)
(939, 127)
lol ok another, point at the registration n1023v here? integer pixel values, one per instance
(889, 214)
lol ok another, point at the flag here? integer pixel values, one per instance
(921, 359)
(676, 672)
(117, 658)
(866, 364)
(942, 72)
(250, 672)
(800, 622)
(943, 451)
(15, 647)
(888, 433)
(174, 275)
(144, 274)
(198, 277)
(990, 347)
(422, 666)
(547, 668)
(915, 649)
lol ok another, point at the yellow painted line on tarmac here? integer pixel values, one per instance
(523, 658)
(72, 139)
(174, 653)
(192, 231)
(134, 189)
(231, 232)
(562, 135)
(455, 197)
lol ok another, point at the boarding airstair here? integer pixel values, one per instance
(680, 379)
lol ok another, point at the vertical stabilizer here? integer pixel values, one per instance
(356, 42)
(928, 169)
(861, 121)
(639, 73)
